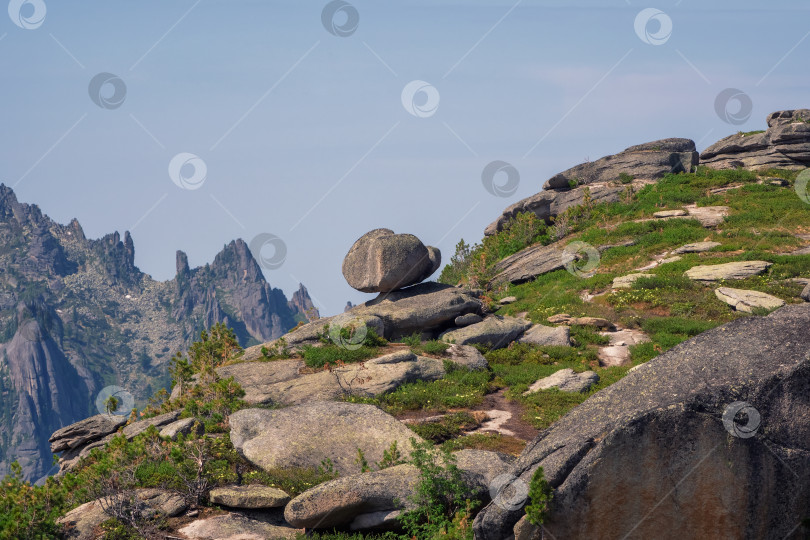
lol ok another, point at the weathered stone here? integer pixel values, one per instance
(237, 526)
(550, 203)
(717, 469)
(507, 300)
(650, 161)
(494, 331)
(617, 352)
(381, 261)
(81, 522)
(670, 213)
(596, 322)
(747, 301)
(136, 428)
(626, 282)
(184, 426)
(707, 216)
(547, 335)
(697, 247)
(732, 270)
(90, 429)
(566, 380)
(784, 145)
(306, 435)
(369, 500)
(467, 356)
(256, 378)
(806, 293)
(529, 263)
(560, 318)
(251, 496)
(468, 319)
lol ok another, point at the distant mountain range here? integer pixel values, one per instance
(77, 315)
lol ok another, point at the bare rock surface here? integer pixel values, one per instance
(708, 439)
(617, 352)
(747, 301)
(732, 270)
(306, 435)
(566, 380)
(494, 331)
(697, 247)
(541, 335)
(251, 496)
(626, 282)
(238, 526)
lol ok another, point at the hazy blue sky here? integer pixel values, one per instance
(304, 134)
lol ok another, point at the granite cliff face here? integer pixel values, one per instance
(77, 315)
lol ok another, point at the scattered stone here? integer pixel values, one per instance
(678, 410)
(707, 216)
(508, 300)
(617, 353)
(802, 251)
(626, 282)
(467, 356)
(697, 247)
(184, 426)
(560, 318)
(494, 331)
(529, 263)
(381, 261)
(251, 497)
(650, 160)
(670, 213)
(732, 270)
(747, 301)
(785, 145)
(237, 526)
(542, 335)
(306, 435)
(596, 322)
(468, 319)
(806, 293)
(566, 380)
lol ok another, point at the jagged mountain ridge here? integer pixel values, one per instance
(77, 315)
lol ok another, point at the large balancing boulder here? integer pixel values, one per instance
(381, 261)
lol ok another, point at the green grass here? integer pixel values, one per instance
(318, 357)
(449, 427)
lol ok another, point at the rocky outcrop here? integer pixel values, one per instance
(697, 247)
(239, 526)
(747, 301)
(784, 145)
(381, 261)
(732, 270)
(251, 497)
(806, 293)
(550, 203)
(495, 332)
(307, 435)
(301, 304)
(708, 439)
(626, 282)
(650, 161)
